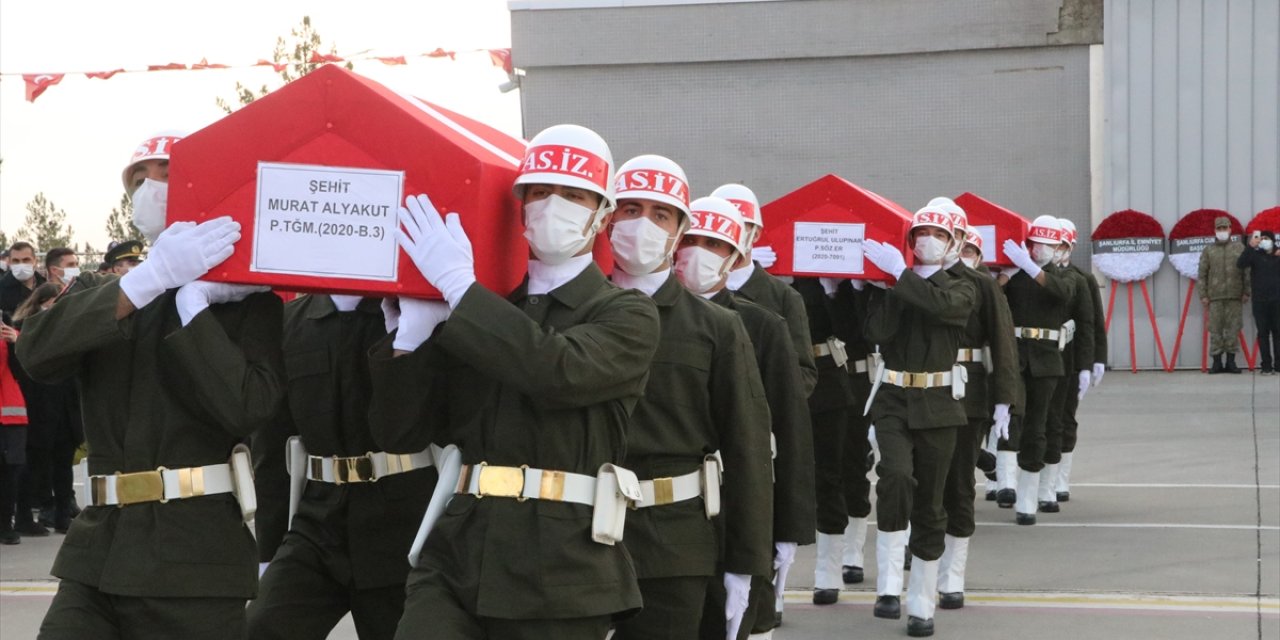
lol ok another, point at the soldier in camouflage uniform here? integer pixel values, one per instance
(1223, 287)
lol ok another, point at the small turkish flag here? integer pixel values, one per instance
(38, 82)
(172, 66)
(317, 57)
(501, 58)
(278, 67)
(104, 75)
(391, 60)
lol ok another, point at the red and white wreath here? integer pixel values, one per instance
(1128, 246)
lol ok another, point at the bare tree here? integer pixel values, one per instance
(295, 54)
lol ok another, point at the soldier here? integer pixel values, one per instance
(173, 374)
(537, 390)
(1223, 287)
(123, 257)
(916, 407)
(704, 402)
(987, 342)
(851, 313)
(1038, 295)
(334, 523)
(708, 250)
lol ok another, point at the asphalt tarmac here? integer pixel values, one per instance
(1172, 531)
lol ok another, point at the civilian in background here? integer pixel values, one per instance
(1262, 258)
(20, 280)
(61, 265)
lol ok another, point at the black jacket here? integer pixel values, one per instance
(1266, 273)
(13, 293)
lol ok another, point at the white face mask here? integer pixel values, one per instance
(972, 263)
(930, 250)
(640, 246)
(70, 273)
(1222, 236)
(1266, 244)
(699, 269)
(23, 272)
(558, 229)
(150, 208)
(1060, 256)
(1042, 254)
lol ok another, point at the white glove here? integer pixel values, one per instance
(418, 319)
(1099, 369)
(1085, 379)
(1010, 272)
(262, 568)
(783, 557)
(1000, 428)
(1022, 258)
(858, 285)
(884, 256)
(183, 252)
(737, 594)
(390, 313)
(766, 256)
(829, 285)
(194, 297)
(439, 248)
(871, 437)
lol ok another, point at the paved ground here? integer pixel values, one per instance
(1173, 531)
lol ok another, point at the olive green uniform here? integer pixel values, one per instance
(773, 294)
(918, 325)
(1070, 426)
(547, 381)
(156, 393)
(704, 395)
(1034, 305)
(345, 549)
(1224, 285)
(1076, 357)
(850, 308)
(990, 325)
(793, 489)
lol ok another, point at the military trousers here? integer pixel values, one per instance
(1027, 431)
(672, 610)
(80, 611)
(1225, 323)
(913, 474)
(1065, 398)
(1070, 404)
(433, 610)
(829, 430)
(855, 469)
(960, 491)
(299, 599)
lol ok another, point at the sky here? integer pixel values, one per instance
(72, 142)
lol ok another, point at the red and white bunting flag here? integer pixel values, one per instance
(501, 58)
(104, 75)
(391, 60)
(317, 57)
(205, 64)
(278, 67)
(172, 66)
(38, 82)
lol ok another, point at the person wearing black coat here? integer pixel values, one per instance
(1263, 259)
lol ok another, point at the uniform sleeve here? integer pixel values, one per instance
(54, 341)
(741, 414)
(1004, 378)
(1099, 321)
(798, 327)
(1204, 271)
(1083, 314)
(884, 314)
(410, 395)
(271, 481)
(945, 305)
(794, 504)
(238, 381)
(605, 358)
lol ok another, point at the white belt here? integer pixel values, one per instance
(660, 491)
(859, 366)
(161, 485)
(969, 355)
(1033, 333)
(917, 380)
(522, 483)
(366, 468)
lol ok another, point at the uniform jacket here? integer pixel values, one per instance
(990, 325)
(918, 325)
(363, 530)
(849, 308)
(704, 394)
(794, 492)
(834, 389)
(548, 381)
(774, 295)
(1043, 307)
(1099, 318)
(1079, 355)
(1220, 278)
(155, 394)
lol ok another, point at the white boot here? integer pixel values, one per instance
(891, 551)
(1028, 490)
(951, 572)
(826, 568)
(855, 538)
(922, 588)
(1006, 469)
(1063, 485)
(1048, 482)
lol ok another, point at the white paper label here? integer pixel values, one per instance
(330, 222)
(988, 234)
(828, 247)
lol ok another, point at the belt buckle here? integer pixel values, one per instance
(353, 469)
(143, 486)
(663, 491)
(504, 482)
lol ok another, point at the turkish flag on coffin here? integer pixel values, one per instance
(995, 224)
(316, 171)
(818, 229)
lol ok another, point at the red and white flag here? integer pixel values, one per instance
(38, 82)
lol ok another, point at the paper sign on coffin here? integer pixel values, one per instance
(818, 229)
(995, 224)
(316, 171)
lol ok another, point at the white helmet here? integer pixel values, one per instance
(932, 216)
(570, 156)
(718, 218)
(1045, 230)
(155, 147)
(1068, 231)
(656, 178)
(959, 219)
(975, 240)
(744, 199)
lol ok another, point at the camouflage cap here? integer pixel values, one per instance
(1221, 221)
